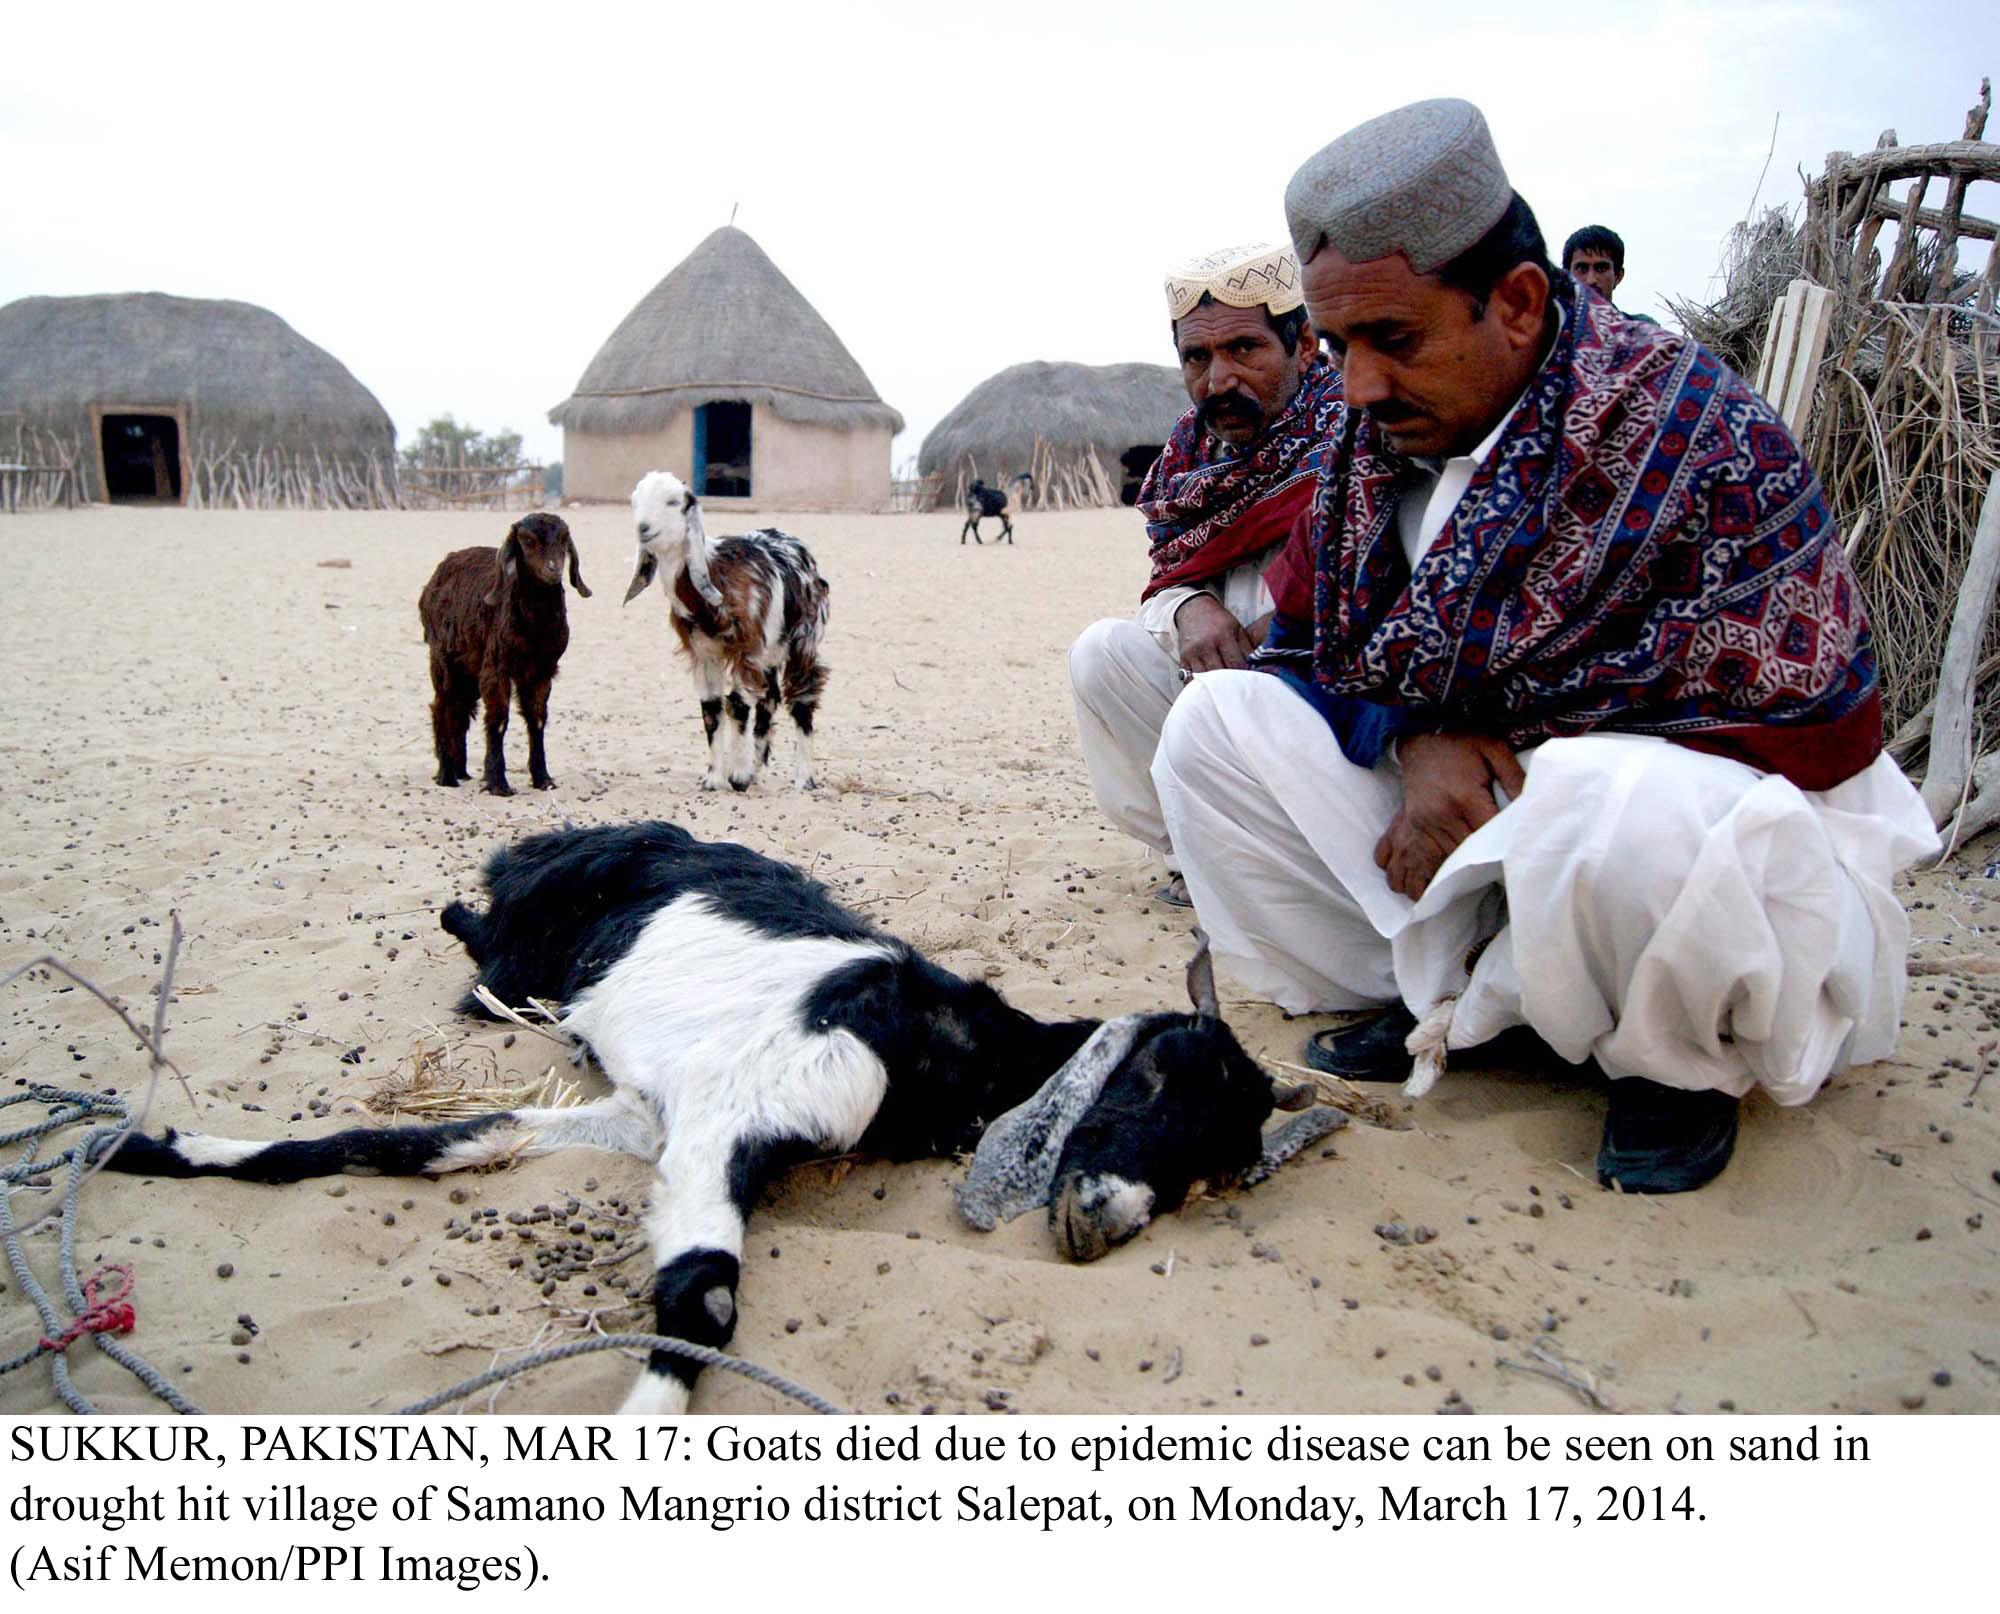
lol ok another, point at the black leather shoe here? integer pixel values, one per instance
(1369, 1050)
(1665, 1140)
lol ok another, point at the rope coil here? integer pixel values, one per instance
(102, 1316)
(90, 1317)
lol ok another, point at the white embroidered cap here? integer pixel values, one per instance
(1263, 274)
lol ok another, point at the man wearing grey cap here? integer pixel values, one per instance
(1236, 476)
(1605, 752)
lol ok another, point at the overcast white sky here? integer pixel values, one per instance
(460, 204)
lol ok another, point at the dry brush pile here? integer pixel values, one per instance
(1902, 430)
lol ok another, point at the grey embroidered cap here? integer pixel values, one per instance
(1423, 180)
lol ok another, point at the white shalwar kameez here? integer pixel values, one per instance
(1124, 676)
(1672, 914)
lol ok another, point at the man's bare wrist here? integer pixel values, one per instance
(1198, 594)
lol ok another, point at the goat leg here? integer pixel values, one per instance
(617, 1123)
(767, 704)
(710, 681)
(802, 767)
(711, 720)
(497, 697)
(448, 736)
(446, 719)
(535, 714)
(702, 1196)
(743, 764)
(1292, 1137)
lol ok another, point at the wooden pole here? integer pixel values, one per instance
(1946, 269)
(1957, 697)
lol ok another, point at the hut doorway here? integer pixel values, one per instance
(722, 450)
(142, 458)
(1136, 461)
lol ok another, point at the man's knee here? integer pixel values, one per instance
(1639, 815)
(1190, 733)
(1109, 653)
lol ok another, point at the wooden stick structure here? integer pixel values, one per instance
(1889, 375)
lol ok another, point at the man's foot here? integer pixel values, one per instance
(1664, 1140)
(1174, 893)
(1367, 1050)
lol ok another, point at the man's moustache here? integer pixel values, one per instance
(1392, 414)
(1229, 408)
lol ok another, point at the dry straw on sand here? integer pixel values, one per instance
(445, 1079)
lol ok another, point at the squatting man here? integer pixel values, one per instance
(1579, 728)
(1235, 477)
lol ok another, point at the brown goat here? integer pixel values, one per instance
(496, 624)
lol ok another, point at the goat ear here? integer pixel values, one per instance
(697, 555)
(506, 565)
(642, 575)
(1201, 978)
(575, 571)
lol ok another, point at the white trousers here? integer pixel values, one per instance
(1674, 915)
(1123, 685)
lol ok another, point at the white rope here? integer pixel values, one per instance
(1427, 1045)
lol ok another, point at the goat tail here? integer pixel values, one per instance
(468, 925)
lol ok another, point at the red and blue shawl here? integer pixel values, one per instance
(1210, 507)
(1646, 551)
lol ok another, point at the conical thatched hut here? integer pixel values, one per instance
(728, 377)
(1087, 432)
(189, 401)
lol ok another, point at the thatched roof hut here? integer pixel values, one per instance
(727, 376)
(188, 400)
(1087, 432)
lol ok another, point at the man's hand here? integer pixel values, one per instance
(1448, 784)
(1210, 637)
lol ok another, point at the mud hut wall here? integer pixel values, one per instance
(792, 466)
(608, 465)
(800, 467)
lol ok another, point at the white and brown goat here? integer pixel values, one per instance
(749, 612)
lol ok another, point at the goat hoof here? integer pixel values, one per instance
(807, 783)
(742, 783)
(448, 780)
(500, 789)
(545, 784)
(710, 782)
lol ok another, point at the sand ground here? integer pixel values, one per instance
(203, 718)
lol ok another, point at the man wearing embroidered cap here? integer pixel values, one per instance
(1235, 477)
(1605, 758)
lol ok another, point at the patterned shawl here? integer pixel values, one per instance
(1645, 551)
(1209, 506)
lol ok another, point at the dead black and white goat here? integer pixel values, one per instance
(747, 1021)
(749, 612)
(982, 501)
